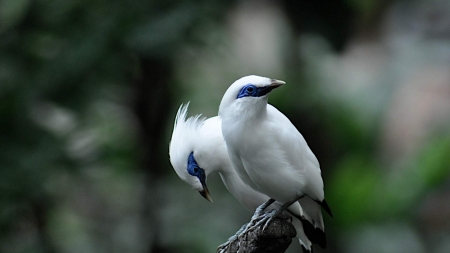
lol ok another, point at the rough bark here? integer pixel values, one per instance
(275, 239)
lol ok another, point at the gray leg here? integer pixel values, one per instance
(267, 218)
(259, 212)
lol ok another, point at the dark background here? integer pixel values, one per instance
(89, 92)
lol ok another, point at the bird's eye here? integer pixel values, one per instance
(192, 166)
(248, 90)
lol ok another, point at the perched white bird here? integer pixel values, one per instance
(197, 149)
(267, 151)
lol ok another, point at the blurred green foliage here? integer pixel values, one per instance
(68, 132)
(86, 110)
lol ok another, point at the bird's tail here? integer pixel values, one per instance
(302, 237)
(312, 221)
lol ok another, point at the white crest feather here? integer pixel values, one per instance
(183, 143)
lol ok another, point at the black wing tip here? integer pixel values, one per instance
(305, 250)
(315, 235)
(325, 206)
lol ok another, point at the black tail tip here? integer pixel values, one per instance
(305, 250)
(315, 235)
(325, 206)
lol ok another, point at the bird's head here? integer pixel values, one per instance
(196, 149)
(248, 91)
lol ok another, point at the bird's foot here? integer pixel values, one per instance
(260, 210)
(268, 218)
(253, 224)
(224, 247)
(257, 221)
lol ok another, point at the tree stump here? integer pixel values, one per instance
(275, 239)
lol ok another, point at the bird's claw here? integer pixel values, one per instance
(267, 219)
(257, 221)
(224, 247)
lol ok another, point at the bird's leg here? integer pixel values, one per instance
(269, 217)
(223, 247)
(246, 227)
(259, 213)
(260, 210)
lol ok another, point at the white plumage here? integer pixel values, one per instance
(267, 151)
(203, 138)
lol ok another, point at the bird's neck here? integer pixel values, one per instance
(230, 179)
(250, 112)
(246, 195)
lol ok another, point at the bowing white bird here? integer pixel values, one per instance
(197, 149)
(267, 151)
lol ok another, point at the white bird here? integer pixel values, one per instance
(197, 148)
(267, 151)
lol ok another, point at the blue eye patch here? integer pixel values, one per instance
(195, 170)
(250, 90)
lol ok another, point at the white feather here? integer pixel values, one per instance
(204, 138)
(268, 152)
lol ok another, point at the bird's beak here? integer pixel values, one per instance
(205, 193)
(276, 83)
(273, 84)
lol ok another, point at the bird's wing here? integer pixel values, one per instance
(297, 153)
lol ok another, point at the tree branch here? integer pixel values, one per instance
(275, 239)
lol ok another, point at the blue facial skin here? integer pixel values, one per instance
(194, 170)
(250, 90)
